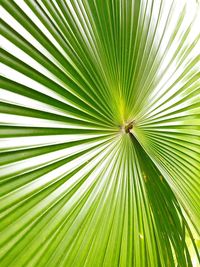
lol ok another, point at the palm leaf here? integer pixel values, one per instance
(99, 133)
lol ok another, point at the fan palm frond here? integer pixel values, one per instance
(100, 133)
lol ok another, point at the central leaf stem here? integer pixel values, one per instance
(128, 127)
